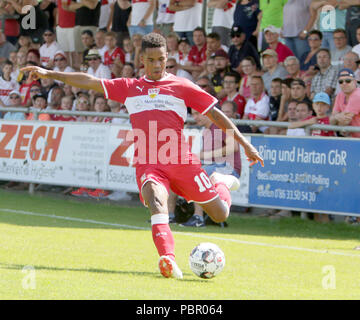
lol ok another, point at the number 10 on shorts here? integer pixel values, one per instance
(203, 181)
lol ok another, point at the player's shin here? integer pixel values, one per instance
(224, 195)
(162, 235)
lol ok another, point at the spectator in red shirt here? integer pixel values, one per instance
(29, 87)
(66, 105)
(346, 111)
(11, 26)
(272, 38)
(197, 55)
(321, 106)
(231, 87)
(114, 57)
(65, 31)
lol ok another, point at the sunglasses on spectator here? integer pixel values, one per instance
(34, 90)
(59, 59)
(14, 97)
(92, 59)
(202, 85)
(236, 35)
(170, 67)
(341, 81)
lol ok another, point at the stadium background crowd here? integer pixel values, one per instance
(278, 60)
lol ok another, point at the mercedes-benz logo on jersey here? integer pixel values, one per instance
(138, 104)
(153, 92)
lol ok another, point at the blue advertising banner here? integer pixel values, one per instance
(319, 174)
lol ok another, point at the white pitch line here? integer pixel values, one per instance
(262, 244)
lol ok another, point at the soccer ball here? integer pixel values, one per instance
(206, 260)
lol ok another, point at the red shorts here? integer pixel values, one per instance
(189, 181)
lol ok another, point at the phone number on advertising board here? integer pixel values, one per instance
(284, 194)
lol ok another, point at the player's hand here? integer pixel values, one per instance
(253, 155)
(36, 73)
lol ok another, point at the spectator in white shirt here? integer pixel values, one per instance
(257, 107)
(223, 19)
(61, 64)
(188, 15)
(165, 18)
(100, 43)
(341, 48)
(7, 84)
(350, 62)
(172, 67)
(96, 68)
(48, 49)
(141, 18)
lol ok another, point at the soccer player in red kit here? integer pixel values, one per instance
(157, 104)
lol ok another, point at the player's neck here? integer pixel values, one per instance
(151, 79)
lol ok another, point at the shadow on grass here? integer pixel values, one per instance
(95, 270)
(65, 212)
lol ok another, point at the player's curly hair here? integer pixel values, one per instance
(153, 40)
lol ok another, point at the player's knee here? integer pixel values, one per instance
(216, 210)
(220, 216)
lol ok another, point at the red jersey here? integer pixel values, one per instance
(158, 110)
(66, 18)
(11, 27)
(239, 100)
(25, 91)
(323, 133)
(197, 56)
(109, 58)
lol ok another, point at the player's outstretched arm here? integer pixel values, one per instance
(224, 123)
(75, 79)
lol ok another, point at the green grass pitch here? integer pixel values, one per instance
(56, 248)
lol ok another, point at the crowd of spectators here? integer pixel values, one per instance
(274, 59)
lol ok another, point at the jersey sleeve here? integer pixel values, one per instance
(116, 89)
(198, 99)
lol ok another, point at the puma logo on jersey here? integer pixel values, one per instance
(140, 88)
